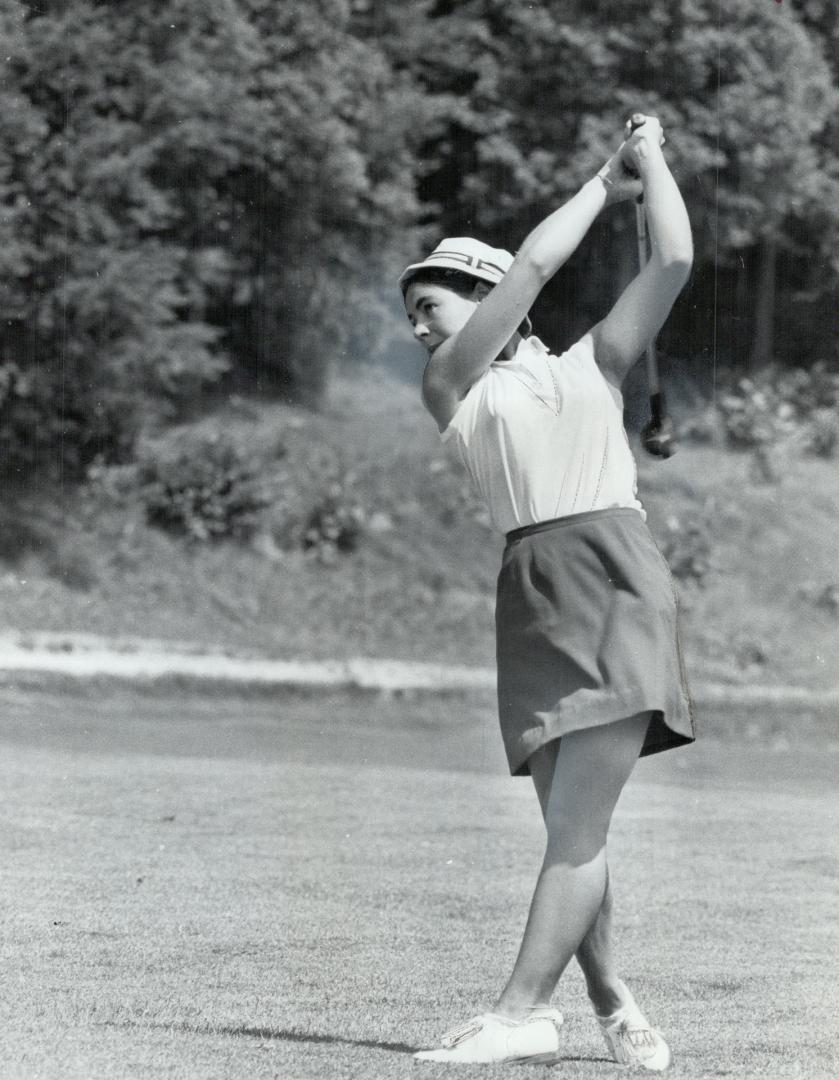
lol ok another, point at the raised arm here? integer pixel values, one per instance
(644, 305)
(463, 358)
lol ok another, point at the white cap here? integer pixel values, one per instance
(470, 256)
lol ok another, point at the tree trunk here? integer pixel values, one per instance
(763, 342)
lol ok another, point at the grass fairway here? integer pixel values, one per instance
(205, 887)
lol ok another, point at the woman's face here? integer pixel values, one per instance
(436, 313)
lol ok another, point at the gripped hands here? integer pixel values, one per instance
(621, 175)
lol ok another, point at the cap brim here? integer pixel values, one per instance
(443, 263)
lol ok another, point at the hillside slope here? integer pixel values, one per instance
(419, 584)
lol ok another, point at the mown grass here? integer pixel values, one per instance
(212, 887)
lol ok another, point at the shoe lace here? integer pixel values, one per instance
(637, 1038)
(463, 1031)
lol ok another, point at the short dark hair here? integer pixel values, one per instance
(459, 282)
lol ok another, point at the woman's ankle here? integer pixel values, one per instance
(609, 996)
(515, 1007)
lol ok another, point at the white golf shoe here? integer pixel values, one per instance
(491, 1038)
(633, 1042)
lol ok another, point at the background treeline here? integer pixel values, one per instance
(201, 197)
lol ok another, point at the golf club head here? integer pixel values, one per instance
(658, 438)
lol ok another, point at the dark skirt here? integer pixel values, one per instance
(587, 634)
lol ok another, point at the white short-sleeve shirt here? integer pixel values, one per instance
(542, 437)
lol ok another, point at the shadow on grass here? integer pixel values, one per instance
(278, 1035)
(311, 1037)
(266, 1033)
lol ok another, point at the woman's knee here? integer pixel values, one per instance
(574, 838)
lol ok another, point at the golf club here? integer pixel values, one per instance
(657, 436)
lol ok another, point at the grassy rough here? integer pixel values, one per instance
(421, 583)
(311, 887)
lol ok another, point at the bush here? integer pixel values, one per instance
(799, 405)
(452, 495)
(687, 545)
(72, 563)
(205, 490)
(753, 414)
(823, 433)
(335, 524)
(53, 427)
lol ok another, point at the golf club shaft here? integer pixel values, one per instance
(652, 360)
(657, 436)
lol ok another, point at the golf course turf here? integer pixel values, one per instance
(302, 886)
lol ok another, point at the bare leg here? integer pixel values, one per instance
(597, 960)
(595, 954)
(589, 774)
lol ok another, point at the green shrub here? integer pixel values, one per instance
(335, 524)
(753, 414)
(784, 404)
(687, 545)
(808, 389)
(823, 432)
(72, 563)
(53, 425)
(205, 490)
(451, 496)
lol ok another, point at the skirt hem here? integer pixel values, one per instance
(661, 735)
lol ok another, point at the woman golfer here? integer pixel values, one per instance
(589, 667)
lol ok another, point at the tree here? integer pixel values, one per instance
(185, 187)
(108, 310)
(319, 220)
(775, 101)
(543, 91)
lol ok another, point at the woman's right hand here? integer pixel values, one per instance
(621, 175)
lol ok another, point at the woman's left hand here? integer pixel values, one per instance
(619, 182)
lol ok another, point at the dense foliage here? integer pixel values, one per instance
(195, 193)
(186, 188)
(747, 93)
(204, 489)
